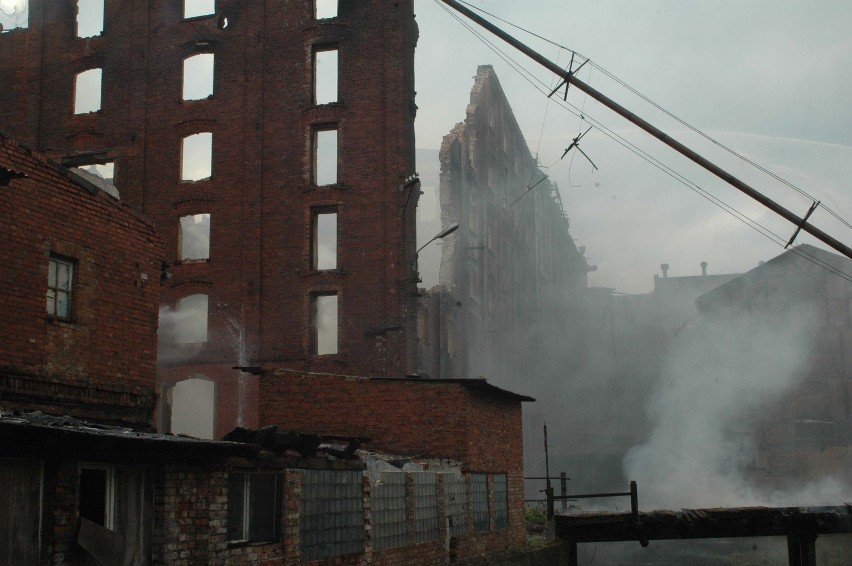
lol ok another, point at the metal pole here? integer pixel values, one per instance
(656, 132)
(563, 489)
(634, 501)
(548, 488)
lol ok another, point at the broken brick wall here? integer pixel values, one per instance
(99, 360)
(261, 192)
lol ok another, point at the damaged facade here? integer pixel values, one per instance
(512, 256)
(271, 144)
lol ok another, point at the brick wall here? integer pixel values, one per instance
(100, 362)
(261, 193)
(427, 418)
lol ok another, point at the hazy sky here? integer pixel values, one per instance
(770, 79)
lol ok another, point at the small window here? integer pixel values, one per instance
(501, 501)
(325, 324)
(325, 9)
(191, 320)
(325, 156)
(194, 237)
(196, 8)
(197, 157)
(198, 76)
(325, 75)
(97, 488)
(87, 91)
(481, 511)
(324, 239)
(14, 14)
(254, 504)
(90, 18)
(60, 285)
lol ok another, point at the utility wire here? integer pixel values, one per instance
(668, 113)
(532, 79)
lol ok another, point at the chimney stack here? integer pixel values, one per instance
(665, 268)
(703, 269)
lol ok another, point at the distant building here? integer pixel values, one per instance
(807, 291)
(512, 258)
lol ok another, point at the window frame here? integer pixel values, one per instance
(316, 161)
(109, 490)
(212, 77)
(315, 319)
(83, 112)
(316, 212)
(315, 61)
(56, 259)
(245, 527)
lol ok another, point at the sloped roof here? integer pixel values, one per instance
(804, 255)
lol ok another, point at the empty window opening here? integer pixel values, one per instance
(87, 91)
(254, 504)
(196, 8)
(198, 76)
(97, 488)
(325, 324)
(193, 407)
(60, 282)
(325, 157)
(105, 171)
(14, 14)
(324, 231)
(90, 18)
(194, 237)
(197, 157)
(325, 76)
(325, 9)
(190, 324)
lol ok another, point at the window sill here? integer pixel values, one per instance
(246, 543)
(62, 322)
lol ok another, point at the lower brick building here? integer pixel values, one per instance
(85, 480)
(79, 292)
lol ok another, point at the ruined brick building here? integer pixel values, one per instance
(273, 146)
(84, 477)
(512, 257)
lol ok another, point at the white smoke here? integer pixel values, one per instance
(717, 386)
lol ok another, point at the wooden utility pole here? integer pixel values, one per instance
(656, 132)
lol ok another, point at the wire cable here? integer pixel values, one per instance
(668, 113)
(532, 79)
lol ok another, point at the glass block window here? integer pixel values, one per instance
(455, 503)
(332, 514)
(387, 496)
(479, 491)
(425, 506)
(501, 501)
